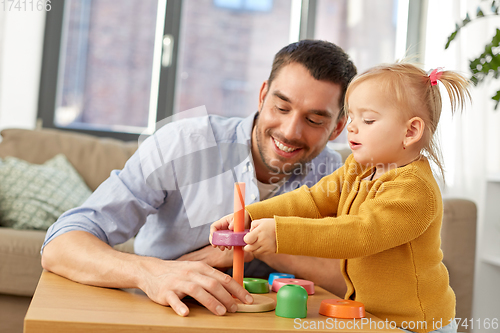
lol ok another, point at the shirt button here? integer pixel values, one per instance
(253, 197)
(245, 168)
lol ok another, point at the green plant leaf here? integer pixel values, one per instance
(488, 63)
(466, 20)
(495, 41)
(450, 38)
(497, 99)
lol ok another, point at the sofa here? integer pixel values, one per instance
(94, 158)
(20, 267)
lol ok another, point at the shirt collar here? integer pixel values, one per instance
(244, 129)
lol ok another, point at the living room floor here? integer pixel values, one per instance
(12, 312)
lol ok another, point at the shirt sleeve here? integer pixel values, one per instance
(119, 207)
(399, 213)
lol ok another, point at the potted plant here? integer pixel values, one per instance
(487, 64)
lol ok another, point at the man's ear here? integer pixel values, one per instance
(338, 128)
(263, 93)
(414, 131)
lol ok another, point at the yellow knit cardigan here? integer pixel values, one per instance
(386, 230)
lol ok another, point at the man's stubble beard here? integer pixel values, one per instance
(286, 169)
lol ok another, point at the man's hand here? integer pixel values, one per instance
(164, 281)
(213, 257)
(262, 237)
(175, 279)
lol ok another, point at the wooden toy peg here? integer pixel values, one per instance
(260, 302)
(239, 226)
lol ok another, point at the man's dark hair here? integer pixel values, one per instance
(325, 61)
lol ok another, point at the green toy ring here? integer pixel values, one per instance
(256, 286)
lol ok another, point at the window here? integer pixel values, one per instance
(224, 56)
(116, 68)
(105, 73)
(365, 29)
(253, 5)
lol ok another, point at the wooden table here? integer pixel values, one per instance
(61, 305)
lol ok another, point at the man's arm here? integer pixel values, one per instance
(322, 271)
(84, 258)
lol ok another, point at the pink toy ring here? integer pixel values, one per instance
(308, 285)
(229, 238)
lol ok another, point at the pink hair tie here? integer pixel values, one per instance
(435, 76)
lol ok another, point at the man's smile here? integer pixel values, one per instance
(284, 147)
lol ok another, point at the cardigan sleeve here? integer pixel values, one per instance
(399, 213)
(304, 201)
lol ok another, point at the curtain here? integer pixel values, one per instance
(469, 141)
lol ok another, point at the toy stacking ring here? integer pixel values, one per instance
(256, 286)
(229, 238)
(308, 285)
(340, 308)
(274, 276)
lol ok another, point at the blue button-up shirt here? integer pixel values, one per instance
(179, 181)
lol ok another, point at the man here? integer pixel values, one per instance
(299, 111)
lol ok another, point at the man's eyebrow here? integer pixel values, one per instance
(283, 97)
(322, 113)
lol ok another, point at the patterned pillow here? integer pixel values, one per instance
(33, 196)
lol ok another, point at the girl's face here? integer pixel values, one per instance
(377, 129)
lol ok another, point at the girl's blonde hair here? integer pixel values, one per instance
(414, 93)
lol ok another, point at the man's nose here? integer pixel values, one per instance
(292, 127)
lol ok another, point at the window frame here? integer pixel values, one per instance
(167, 76)
(50, 71)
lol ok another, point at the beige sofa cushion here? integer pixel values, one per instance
(458, 242)
(92, 157)
(20, 266)
(20, 260)
(33, 196)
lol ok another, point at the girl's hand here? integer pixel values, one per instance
(262, 237)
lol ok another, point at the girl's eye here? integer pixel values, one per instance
(369, 122)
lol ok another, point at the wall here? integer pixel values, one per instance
(470, 141)
(20, 66)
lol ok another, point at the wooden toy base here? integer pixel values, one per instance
(260, 304)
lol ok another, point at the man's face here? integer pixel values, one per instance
(298, 115)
